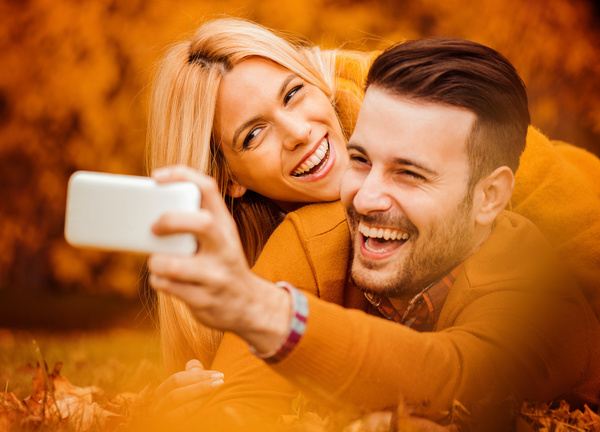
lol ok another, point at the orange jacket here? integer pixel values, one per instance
(556, 187)
(506, 329)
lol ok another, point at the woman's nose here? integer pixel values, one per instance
(295, 131)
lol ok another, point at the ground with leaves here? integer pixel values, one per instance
(102, 381)
(76, 381)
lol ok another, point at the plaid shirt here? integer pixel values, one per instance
(423, 310)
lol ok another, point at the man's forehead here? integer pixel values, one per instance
(390, 123)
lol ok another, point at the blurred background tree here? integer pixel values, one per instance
(73, 95)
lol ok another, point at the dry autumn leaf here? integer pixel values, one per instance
(58, 404)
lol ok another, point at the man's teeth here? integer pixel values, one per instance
(315, 159)
(381, 233)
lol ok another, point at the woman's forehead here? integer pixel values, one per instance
(247, 92)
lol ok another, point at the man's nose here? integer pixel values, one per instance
(295, 130)
(372, 195)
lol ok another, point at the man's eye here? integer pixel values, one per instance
(358, 159)
(412, 174)
(251, 135)
(289, 95)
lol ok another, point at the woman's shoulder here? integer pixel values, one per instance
(315, 220)
(354, 65)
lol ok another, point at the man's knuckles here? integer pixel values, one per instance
(196, 222)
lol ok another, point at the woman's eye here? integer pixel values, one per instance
(289, 95)
(251, 135)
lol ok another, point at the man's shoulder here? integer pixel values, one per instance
(515, 265)
(515, 250)
(317, 220)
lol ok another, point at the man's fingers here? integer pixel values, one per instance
(197, 299)
(198, 271)
(211, 198)
(183, 222)
(207, 228)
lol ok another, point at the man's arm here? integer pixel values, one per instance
(348, 355)
(507, 342)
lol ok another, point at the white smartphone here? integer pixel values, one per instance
(116, 212)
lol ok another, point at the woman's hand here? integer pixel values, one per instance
(183, 392)
(216, 283)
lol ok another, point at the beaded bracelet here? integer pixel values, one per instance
(296, 328)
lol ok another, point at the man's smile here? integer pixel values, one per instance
(380, 242)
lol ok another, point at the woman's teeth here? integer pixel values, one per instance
(315, 159)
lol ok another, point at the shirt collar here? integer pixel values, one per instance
(423, 310)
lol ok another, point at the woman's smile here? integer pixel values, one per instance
(280, 134)
(317, 163)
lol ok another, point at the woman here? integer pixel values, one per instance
(301, 103)
(268, 120)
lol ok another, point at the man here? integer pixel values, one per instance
(475, 311)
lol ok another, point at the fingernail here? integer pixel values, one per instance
(217, 383)
(193, 364)
(161, 173)
(217, 376)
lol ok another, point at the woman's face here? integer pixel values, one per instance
(280, 135)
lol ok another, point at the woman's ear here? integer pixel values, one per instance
(494, 193)
(235, 190)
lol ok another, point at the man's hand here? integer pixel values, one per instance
(216, 283)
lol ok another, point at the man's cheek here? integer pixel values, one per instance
(351, 182)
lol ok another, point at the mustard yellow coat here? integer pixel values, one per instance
(344, 352)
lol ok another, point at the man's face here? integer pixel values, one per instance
(406, 193)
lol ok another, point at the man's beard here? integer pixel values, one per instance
(448, 243)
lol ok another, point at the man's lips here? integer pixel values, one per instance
(378, 249)
(378, 242)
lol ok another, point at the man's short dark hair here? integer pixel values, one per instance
(465, 74)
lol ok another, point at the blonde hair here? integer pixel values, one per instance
(182, 110)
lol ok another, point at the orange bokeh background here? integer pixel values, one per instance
(74, 85)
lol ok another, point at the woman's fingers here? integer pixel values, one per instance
(194, 364)
(187, 377)
(189, 393)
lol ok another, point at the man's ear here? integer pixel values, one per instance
(235, 190)
(493, 194)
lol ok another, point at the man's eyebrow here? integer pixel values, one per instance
(408, 162)
(354, 146)
(396, 161)
(247, 123)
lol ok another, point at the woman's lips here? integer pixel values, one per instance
(325, 166)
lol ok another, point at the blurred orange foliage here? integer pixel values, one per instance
(75, 75)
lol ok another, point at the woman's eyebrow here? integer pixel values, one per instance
(239, 130)
(247, 123)
(285, 83)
